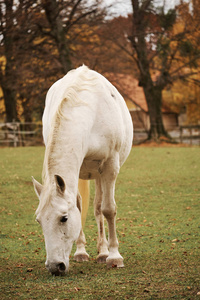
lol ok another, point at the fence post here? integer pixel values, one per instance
(181, 134)
(14, 133)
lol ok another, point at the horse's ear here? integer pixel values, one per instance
(60, 184)
(37, 187)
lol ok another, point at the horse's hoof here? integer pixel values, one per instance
(101, 258)
(114, 262)
(81, 257)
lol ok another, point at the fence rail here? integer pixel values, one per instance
(183, 134)
(20, 134)
(29, 134)
(191, 133)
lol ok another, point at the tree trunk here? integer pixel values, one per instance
(153, 96)
(153, 93)
(7, 77)
(57, 32)
(9, 93)
(10, 103)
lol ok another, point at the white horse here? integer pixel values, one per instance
(88, 134)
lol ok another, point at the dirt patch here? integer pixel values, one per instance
(162, 144)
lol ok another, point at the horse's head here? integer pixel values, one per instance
(60, 220)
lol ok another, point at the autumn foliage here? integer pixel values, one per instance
(40, 42)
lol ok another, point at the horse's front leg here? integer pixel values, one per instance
(102, 243)
(81, 254)
(108, 207)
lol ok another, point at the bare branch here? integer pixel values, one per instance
(184, 65)
(82, 16)
(71, 15)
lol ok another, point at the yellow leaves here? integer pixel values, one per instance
(2, 62)
(87, 34)
(178, 27)
(39, 41)
(185, 95)
(2, 106)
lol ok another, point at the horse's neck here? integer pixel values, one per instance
(64, 158)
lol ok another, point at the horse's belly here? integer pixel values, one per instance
(91, 169)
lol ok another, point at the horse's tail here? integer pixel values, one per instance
(84, 190)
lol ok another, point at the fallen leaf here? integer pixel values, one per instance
(175, 240)
(29, 270)
(19, 265)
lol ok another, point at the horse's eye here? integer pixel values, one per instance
(64, 219)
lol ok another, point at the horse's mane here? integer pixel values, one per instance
(81, 79)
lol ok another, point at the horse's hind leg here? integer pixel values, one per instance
(108, 178)
(102, 244)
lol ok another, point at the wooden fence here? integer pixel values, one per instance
(29, 134)
(183, 134)
(20, 134)
(190, 133)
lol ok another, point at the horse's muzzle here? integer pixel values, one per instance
(56, 269)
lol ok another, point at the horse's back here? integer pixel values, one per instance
(54, 98)
(101, 112)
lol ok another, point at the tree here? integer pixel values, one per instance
(63, 19)
(57, 32)
(40, 41)
(61, 27)
(159, 49)
(114, 54)
(15, 68)
(154, 44)
(6, 74)
(152, 90)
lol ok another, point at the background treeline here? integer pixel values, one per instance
(40, 41)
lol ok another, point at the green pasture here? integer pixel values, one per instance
(158, 226)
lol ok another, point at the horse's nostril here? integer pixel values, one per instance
(61, 267)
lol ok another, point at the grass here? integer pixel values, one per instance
(158, 227)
